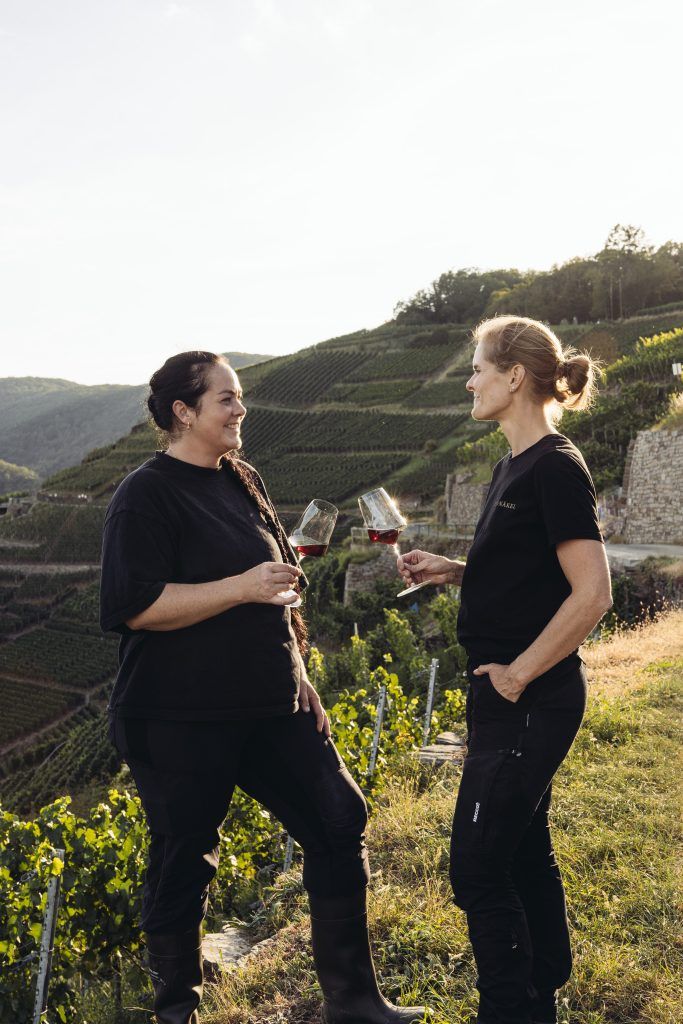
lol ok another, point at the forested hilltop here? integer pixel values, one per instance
(626, 278)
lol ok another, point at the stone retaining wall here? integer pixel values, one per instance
(361, 576)
(654, 488)
(464, 501)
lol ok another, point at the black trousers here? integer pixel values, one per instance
(185, 773)
(503, 869)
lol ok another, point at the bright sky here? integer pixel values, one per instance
(260, 175)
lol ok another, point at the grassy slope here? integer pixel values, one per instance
(616, 826)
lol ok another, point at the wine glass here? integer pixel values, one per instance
(384, 522)
(312, 534)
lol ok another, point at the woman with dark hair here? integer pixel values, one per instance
(535, 584)
(212, 692)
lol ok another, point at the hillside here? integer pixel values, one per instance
(47, 424)
(389, 405)
(55, 671)
(374, 400)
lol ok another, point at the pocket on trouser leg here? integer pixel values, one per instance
(479, 774)
(493, 811)
(510, 806)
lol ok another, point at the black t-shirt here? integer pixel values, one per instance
(172, 522)
(513, 583)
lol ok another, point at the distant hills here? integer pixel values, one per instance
(47, 424)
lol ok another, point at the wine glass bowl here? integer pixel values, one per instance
(384, 523)
(312, 534)
(381, 516)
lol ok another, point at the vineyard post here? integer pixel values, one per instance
(289, 854)
(433, 668)
(47, 941)
(378, 729)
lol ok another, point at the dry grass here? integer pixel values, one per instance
(615, 666)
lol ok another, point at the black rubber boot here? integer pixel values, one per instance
(343, 961)
(176, 970)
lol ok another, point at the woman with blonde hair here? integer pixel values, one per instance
(535, 584)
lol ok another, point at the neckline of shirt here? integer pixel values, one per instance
(170, 462)
(531, 447)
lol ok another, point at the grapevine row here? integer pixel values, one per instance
(25, 706)
(302, 380)
(51, 656)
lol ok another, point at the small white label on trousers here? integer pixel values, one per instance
(476, 811)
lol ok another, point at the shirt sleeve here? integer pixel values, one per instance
(566, 498)
(137, 561)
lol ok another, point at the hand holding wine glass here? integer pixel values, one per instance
(422, 567)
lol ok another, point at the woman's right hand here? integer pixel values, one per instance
(267, 582)
(422, 567)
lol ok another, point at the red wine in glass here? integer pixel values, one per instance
(384, 536)
(384, 522)
(312, 534)
(311, 550)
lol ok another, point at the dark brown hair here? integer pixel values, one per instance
(185, 377)
(182, 378)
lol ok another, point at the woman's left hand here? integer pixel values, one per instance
(310, 701)
(502, 680)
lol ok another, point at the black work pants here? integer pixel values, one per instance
(503, 869)
(186, 772)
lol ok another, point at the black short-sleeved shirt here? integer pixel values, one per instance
(172, 522)
(513, 583)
